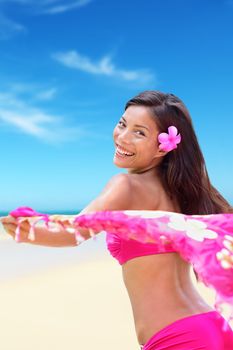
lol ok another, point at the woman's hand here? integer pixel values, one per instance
(60, 231)
(10, 225)
(58, 236)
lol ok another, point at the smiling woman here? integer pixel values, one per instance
(173, 217)
(135, 132)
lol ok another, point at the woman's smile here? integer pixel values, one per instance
(135, 138)
(122, 152)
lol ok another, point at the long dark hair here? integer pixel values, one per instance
(183, 170)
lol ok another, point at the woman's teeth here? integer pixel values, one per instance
(123, 153)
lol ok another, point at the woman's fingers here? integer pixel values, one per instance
(8, 220)
(10, 229)
(10, 226)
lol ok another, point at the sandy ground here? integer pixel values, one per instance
(73, 307)
(77, 306)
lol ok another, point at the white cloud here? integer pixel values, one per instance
(32, 125)
(9, 28)
(104, 66)
(14, 112)
(49, 6)
(21, 88)
(32, 91)
(60, 8)
(46, 95)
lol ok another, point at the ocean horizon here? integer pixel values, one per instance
(50, 212)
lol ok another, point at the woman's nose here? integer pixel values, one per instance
(124, 137)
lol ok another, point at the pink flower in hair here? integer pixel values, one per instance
(169, 141)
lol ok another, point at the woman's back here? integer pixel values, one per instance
(159, 282)
(148, 193)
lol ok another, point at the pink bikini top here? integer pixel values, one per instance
(124, 250)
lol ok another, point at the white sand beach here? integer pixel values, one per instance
(77, 305)
(73, 307)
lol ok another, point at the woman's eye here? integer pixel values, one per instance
(121, 124)
(140, 133)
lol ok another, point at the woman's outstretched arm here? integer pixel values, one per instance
(116, 195)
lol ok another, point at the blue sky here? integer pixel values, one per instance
(68, 67)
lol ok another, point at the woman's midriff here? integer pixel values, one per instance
(161, 291)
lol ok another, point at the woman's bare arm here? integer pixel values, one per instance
(116, 195)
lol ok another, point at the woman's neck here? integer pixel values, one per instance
(150, 172)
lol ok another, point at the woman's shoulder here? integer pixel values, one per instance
(119, 179)
(127, 192)
(141, 194)
(125, 184)
(148, 194)
(136, 193)
(116, 195)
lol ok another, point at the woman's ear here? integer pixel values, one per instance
(160, 153)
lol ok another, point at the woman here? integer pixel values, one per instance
(167, 173)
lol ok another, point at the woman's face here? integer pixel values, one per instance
(135, 137)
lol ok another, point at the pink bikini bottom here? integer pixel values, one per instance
(206, 331)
